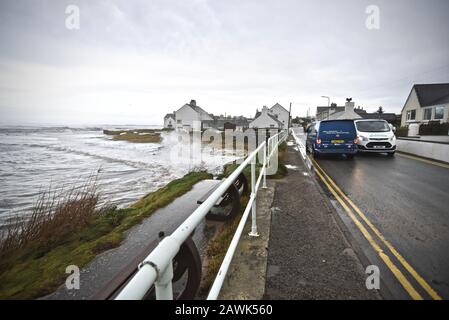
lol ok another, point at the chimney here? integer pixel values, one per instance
(349, 105)
(264, 109)
(193, 103)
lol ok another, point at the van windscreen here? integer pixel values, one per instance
(372, 126)
(337, 127)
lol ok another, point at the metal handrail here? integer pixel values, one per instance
(157, 267)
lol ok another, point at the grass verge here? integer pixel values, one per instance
(139, 138)
(38, 268)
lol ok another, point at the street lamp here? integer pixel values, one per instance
(328, 105)
(328, 100)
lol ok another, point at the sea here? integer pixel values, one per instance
(35, 159)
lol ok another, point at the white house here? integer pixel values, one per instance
(281, 114)
(190, 117)
(169, 121)
(265, 119)
(426, 102)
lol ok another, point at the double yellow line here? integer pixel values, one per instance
(340, 195)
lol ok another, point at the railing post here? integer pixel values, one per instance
(253, 232)
(264, 167)
(163, 285)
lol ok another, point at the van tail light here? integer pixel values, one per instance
(318, 141)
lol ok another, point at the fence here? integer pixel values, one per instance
(157, 268)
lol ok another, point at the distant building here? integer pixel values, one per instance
(280, 113)
(191, 117)
(426, 102)
(389, 117)
(222, 123)
(266, 120)
(335, 112)
(169, 121)
(323, 113)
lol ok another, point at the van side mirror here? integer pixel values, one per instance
(394, 129)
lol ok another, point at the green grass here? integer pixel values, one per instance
(217, 248)
(36, 271)
(139, 138)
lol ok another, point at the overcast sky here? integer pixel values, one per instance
(133, 61)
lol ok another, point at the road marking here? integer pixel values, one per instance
(397, 273)
(435, 163)
(398, 256)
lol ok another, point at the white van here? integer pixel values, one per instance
(375, 135)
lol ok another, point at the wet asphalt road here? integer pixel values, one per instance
(407, 200)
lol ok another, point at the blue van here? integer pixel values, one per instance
(332, 137)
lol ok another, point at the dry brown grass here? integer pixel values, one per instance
(56, 214)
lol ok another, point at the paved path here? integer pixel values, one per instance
(308, 256)
(105, 266)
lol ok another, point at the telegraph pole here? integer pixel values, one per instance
(289, 117)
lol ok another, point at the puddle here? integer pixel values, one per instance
(290, 167)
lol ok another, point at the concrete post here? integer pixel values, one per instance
(253, 232)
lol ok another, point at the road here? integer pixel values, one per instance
(397, 210)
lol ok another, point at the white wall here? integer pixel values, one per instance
(169, 121)
(185, 117)
(264, 121)
(412, 103)
(281, 113)
(437, 151)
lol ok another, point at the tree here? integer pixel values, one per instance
(380, 110)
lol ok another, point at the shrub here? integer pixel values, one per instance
(436, 129)
(402, 132)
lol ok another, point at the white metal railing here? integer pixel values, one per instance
(157, 268)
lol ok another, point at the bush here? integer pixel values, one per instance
(434, 129)
(402, 132)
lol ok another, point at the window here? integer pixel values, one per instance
(372, 126)
(178, 121)
(439, 113)
(411, 115)
(427, 114)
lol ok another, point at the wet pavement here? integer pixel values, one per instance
(308, 255)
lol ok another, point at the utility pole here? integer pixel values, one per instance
(328, 105)
(289, 117)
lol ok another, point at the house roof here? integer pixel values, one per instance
(169, 115)
(277, 104)
(198, 109)
(346, 114)
(275, 119)
(431, 94)
(259, 113)
(390, 117)
(324, 109)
